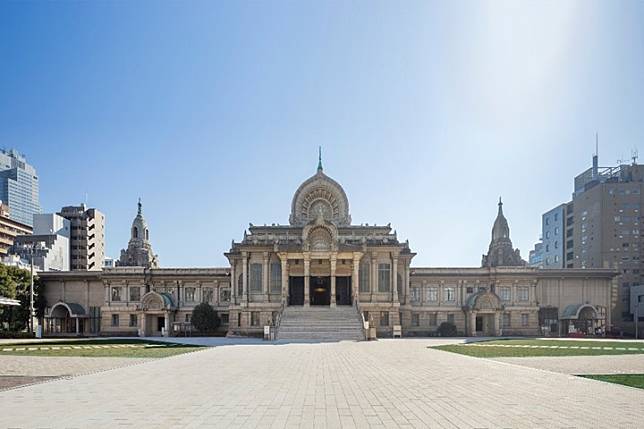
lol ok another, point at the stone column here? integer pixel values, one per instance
(307, 279)
(497, 323)
(355, 281)
(167, 323)
(233, 284)
(394, 272)
(265, 277)
(244, 277)
(374, 275)
(285, 278)
(333, 264)
(472, 324)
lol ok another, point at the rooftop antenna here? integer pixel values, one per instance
(596, 157)
(634, 156)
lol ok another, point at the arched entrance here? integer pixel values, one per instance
(483, 314)
(582, 320)
(65, 318)
(156, 311)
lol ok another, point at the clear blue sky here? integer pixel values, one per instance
(212, 112)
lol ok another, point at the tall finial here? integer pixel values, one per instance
(319, 158)
(500, 206)
(140, 206)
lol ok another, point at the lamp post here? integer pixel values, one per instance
(32, 312)
(636, 319)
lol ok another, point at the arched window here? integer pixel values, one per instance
(135, 232)
(364, 276)
(147, 234)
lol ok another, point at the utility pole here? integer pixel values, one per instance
(32, 312)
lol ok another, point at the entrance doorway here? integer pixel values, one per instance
(320, 292)
(343, 290)
(296, 291)
(485, 324)
(160, 323)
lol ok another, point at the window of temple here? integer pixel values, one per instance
(384, 277)
(525, 318)
(399, 285)
(135, 232)
(505, 293)
(134, 322)
(450, 294)
(224, 318)
(523, 293)
(256, 278)
(469, 290)
(450, 318)
(188, 317)
(254, 318)
(364, 276)
(415, 319)
(224, 295)
(240, 284)
(433, 319)
(432, 294)
(115, 319)
(206, 295)
(135, 293)
(276, 277)
(190, 294)
(365, 315)
(506, 320)
(384, 318)
(116, 294)
(415, 294)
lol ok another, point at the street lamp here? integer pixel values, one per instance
(636, 319)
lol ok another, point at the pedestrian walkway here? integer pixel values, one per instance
(384, 384)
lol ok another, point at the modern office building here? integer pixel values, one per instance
(49, 243)
(606, 232)
(87, 241)
(535, 258)
(9, 230)
(322, 277)
(553, 237)
(19, 186)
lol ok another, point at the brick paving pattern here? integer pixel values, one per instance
(607, 364)
(394, 383)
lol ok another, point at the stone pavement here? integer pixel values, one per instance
(388, 383)
(606, 364)
(56, 366)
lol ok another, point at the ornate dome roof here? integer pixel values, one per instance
(320, 194)
(140, 226)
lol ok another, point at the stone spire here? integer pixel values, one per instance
(139, 251)
(320, 159)
(501, 253)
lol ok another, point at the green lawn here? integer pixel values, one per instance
(526, 348)
(632, 380)
(98, 348)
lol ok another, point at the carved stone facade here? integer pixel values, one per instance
(320, 259)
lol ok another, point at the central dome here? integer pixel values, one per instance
(322, 196)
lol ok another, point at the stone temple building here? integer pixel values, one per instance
(323, 277)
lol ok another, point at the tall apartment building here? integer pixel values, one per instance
(9, 230)
(49, 244)
(553, 231)
(535, 258)
(19, 186)
(87, 241)
(608, 204)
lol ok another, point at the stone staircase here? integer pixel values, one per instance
(342, 323)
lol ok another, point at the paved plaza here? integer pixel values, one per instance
(388, 383)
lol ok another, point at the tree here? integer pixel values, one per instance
(447, 329)
(204, 318)
(14, 283)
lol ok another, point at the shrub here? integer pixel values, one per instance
(447, 329)
(204, 318)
